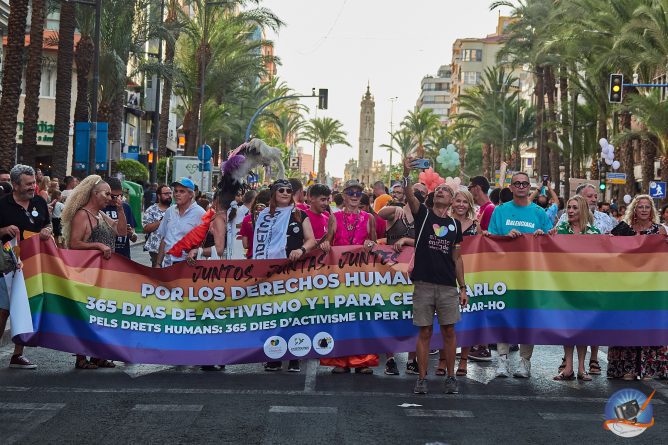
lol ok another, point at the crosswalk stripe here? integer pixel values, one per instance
(149, 407)
(33, 406)
(303, 409)
(439, 413)
(572, 416)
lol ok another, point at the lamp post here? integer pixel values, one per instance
(156, 105)
(393, 100)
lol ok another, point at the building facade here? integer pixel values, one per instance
(435, 93)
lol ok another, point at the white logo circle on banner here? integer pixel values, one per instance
(275, 347)
(299, 345)
(323, 343)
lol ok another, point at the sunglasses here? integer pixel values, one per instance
(260, 207)
(284, 190)
(521, 184)
(357, 194)
(114, 196)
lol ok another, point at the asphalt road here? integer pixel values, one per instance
(244, 404)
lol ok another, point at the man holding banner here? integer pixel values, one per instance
(515, 218)
(437, 271)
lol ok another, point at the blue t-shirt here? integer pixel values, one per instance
(524, 219)
(122, 242)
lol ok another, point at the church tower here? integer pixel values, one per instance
(367, 122)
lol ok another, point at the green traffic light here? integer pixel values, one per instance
(602, 186)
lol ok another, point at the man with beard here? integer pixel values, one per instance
(151, 221)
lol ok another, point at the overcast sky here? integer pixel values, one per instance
(343, 44)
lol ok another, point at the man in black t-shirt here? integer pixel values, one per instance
(122, 245)
(437, 270)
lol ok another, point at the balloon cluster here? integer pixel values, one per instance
(431, 179)
(608, 154)
(448, 157)
(454, 183)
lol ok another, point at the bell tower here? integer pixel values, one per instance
(367, 123)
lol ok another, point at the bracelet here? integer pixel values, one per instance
(463, 287)
(200, 252)
(303, 249)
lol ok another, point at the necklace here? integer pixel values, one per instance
(351, 226)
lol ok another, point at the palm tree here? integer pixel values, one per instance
(461, 137)
(11, 80)
(33, 77)
(421, 124)
(172, 26)
(327, 132)
(401, 144)
(61, 133)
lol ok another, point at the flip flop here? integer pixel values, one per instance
(460, 372)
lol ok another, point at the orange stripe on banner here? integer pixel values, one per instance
(567, 262)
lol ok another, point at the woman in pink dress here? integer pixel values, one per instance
(351, 227)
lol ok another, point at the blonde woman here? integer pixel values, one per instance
(463, 211)
(86, 227)
(579, 221)
(645, 362)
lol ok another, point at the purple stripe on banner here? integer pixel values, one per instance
(652, 337)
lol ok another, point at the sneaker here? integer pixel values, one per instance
(21, 362)
(391, 367)
(272, 366)
(412, 368)
(433, 351)
(502, 367)
(524, 370)
(480, 353)
(451, 385)
(293, 366)
(420, 386)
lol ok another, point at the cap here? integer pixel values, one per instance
(185, 182)
(352, 183)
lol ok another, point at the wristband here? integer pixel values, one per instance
(303, 249)
(462, 287)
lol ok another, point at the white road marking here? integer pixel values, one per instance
(452, 413)
(303, 409)
(213, 391)
(572, 416)
(408, 405)
(135, 371)
(311, 373)
(171, 408)
(33, 406)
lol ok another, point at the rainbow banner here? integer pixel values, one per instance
(546, 290)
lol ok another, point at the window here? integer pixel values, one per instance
(442, 86)
(470, 77)
(428, 87)
(47, 87)
(472, 55)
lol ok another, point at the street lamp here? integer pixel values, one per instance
(393, 100)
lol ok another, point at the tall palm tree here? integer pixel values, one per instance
(172, 26)
(421, 124)
(402, 143)
(61, 133)
(33, 77)
(11, 80)
(327, 132)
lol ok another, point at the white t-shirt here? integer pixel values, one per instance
(234, 248)
(57, 209)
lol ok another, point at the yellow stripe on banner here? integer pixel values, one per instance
(80, 292)
(573, 281)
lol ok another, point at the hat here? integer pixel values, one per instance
(5, 187)
(352, 183)
(185, 182)
(280, 183)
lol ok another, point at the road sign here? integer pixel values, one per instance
(657, 190)
(616, 178)
(204, 153)
(294, 163)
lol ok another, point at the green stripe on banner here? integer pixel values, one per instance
(56, 304)
(595, 301)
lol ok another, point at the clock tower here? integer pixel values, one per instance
(367, 122)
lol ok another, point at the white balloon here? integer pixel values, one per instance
(616, 165)
(608, 161)
(611, 148)
(611, 155)
(627, 199)
(457, 180)
(604, 150)
(603, 142)
(448, 179)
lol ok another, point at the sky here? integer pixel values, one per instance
(343, 44)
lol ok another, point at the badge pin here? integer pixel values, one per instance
(34, 212)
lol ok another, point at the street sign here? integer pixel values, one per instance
(657, 190)
(204, 167)
(508, 178)
(294, 163)
(616, 178)
(204, 153)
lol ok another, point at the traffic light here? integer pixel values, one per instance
(322, 98)
(602, 186)
(150, 157)
(616, 90)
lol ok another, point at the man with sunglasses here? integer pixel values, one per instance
(514, 219)
(122, 245)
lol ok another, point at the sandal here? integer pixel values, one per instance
(461, 372)
(563, 364)
(594, 367)
(84, 364)
(563, 377)
(629, 376)
(584, 376)
(102, 363)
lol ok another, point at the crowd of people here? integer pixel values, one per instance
(285, 221)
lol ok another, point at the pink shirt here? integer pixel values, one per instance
(381, 227)
(359, 232)
(246, 230)
(485, 214)
(318, 223)
(302, 206)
